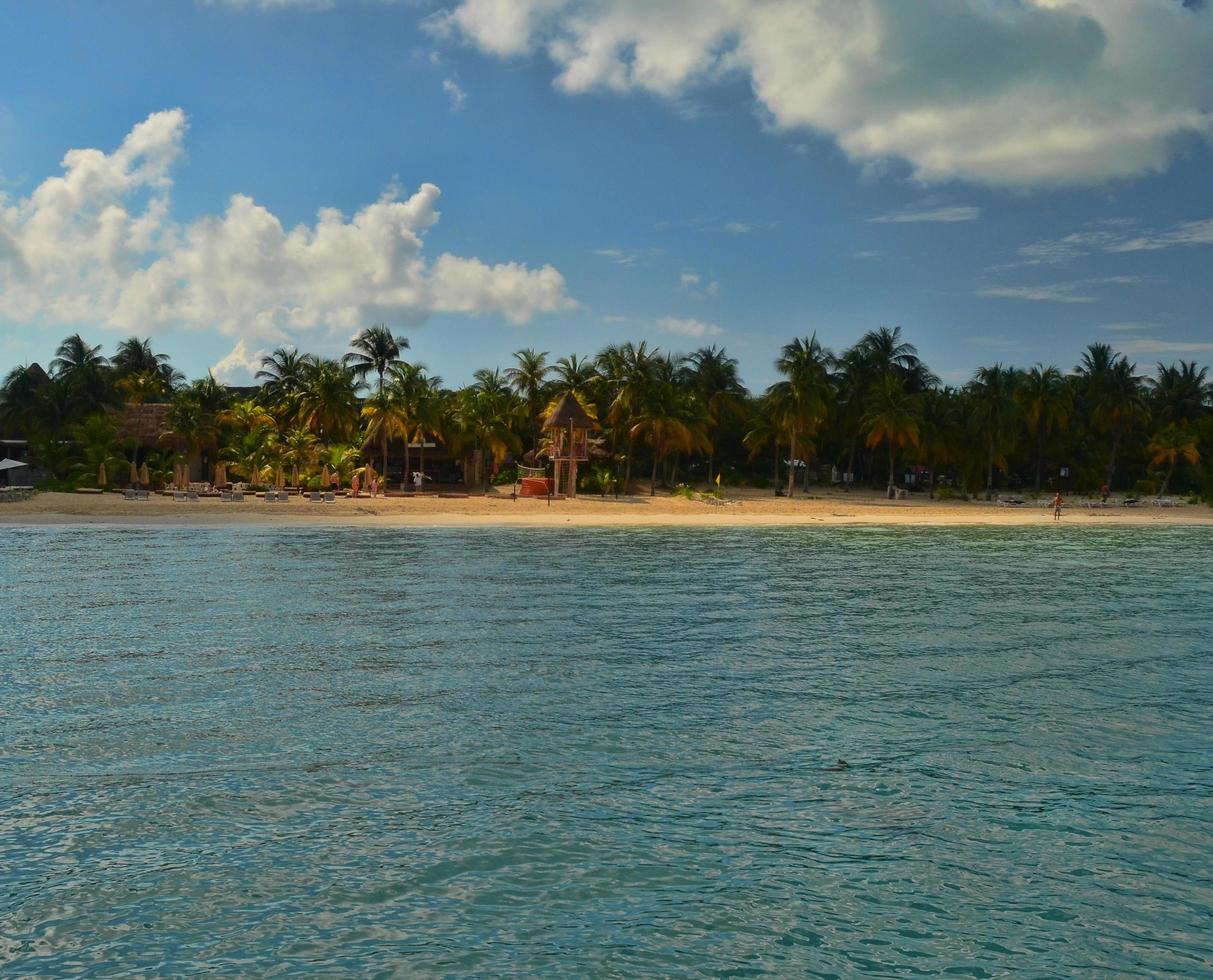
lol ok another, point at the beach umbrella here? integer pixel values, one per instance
(294, 474)
(144, 476)
(102, 476)
(324, 476)
(134, 473)
(220, 474)
(281, 477)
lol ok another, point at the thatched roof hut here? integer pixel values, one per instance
(569, 413)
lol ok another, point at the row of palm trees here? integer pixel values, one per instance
(872, 411)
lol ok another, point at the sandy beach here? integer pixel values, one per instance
(743, 508)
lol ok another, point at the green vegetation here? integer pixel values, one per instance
(874, 411)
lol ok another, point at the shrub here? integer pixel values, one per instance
(950, 493)
(682, 490)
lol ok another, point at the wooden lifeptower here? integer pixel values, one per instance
(568, 425)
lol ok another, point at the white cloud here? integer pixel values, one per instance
(97, 245)
(627, 256)
(271, 4)
(1078, 291)
(688, 328)
(1188, 233)
(692, 282)
(456, 94)
(1151, 345)
(1082, 243)
(240, 364)
(1028, 93)
(941, 215)
(739, 227)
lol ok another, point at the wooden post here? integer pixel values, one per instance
(572, 465)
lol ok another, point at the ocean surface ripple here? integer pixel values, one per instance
(506, 752)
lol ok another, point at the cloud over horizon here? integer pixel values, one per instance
(97, 245)
(1037, 93)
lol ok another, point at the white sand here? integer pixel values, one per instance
(745, 508)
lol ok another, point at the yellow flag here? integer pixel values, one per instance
(717, 479)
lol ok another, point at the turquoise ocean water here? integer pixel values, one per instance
(269, 751)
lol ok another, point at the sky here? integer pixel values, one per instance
(1007, 180)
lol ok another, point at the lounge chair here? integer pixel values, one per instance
(283, 497)
(178, 495)
(315, 497)
(237, 496)
(143, 495)
(192, 496)
(271, 496)
(330, 497)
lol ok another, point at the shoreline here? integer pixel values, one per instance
(744, 509)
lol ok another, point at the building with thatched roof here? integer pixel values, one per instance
(568, 426)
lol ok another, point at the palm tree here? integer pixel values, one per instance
(84, 374)
(576, 376)
(994, 390)
(283, 375)
(133, 356)
(1180, 393)
(483, 419)
(1170, 445)
(385, 417)
(139, 389)
(628, 369)
(528, 379)
(328, 400)
(73, 355)
(299, 451)
(375, 349)
(892, 417)
(188, 425)
(939, 430)
(249, 454)
(1115, 397)
(886, 353)
(765, 429)
(97, 445)
(714, 378)
(803, 398)
(1048, 399)
(671, 421)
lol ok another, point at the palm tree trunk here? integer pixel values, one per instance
(990, 471)
(851, 463)
(1166, 480)
(892, 467)
(383, 445)
(1112, 457)
(627, 469)
(792, 465)
(404, 482)
(1040, 453)
(712, 462)
(653, 479)
(775, 477)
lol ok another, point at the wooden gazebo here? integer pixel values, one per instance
(568, 426)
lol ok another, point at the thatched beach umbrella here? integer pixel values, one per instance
(324, 476)
(102, 476)
(280, 477)
(144, 477)
(220, 474)
(294, 474)
(134, 473)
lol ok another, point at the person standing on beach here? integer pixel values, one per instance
(1057, 506)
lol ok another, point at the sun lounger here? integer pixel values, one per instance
(330, 497)
(315, 497)
(178, 495)
(271, 496)
(283, 497)
(192, 496)
(143, 495)
(237, 496)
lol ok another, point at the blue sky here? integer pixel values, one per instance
(1004, 179)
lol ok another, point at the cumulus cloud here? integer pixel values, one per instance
(1027, 93)
(688, 328)
(239, 365)
(98, 245)
(455, 93)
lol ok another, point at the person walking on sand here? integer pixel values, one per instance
(1057, 506)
